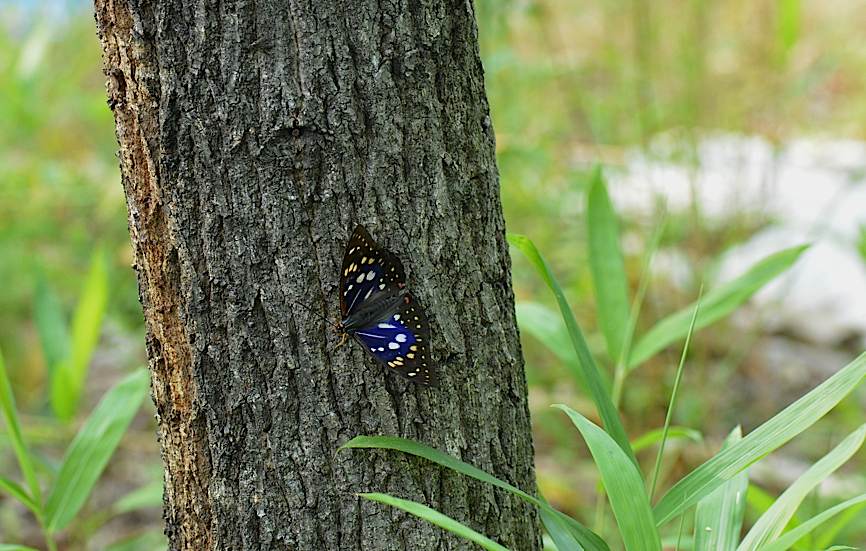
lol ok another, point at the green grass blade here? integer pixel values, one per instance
(147, 496)
(51, 325)
(92, 447)
(435, 517)
(717, 304)
(787, 26)
(68, 380)
(607, 266)
(654, 436)
(677, 542)
(589, 540)
(831, 532)
(151, 540)
(574, 535)
(680, 531)
(791, 537)
(621, 368)
(719, 516)
(758, 500)
(15, 547)
(559, 532)
(674, 393)
(600, 396)
(771, 523)
(16, 439)
(546, 326)
(784, 426)
(623, 484)
(15, 490)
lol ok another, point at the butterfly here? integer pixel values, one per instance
(380, 313)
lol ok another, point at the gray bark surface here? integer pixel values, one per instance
(253, 137)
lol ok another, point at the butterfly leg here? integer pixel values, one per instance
(343, 339)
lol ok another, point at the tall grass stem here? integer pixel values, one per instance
(621, 369)
(674, 391)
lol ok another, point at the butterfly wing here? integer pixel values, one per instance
(402, 343)
(367, 269)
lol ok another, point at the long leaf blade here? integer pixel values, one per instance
(621, 367)
(607, 267)
(715, 305)
(784, 426)
(10, 416)
(719, 516)
(674, 394)
(600, 396)
(559, 532)
(772, 522)
(589, 540)
(791, 537)
(51, 325)
(150, 495)
(787, 26)
(547, 327)
(151, 540)
(675, 432)
(829, 534)
(435, 517)
(15, 490)
(623, 483)
(68, 380)
(92, 447)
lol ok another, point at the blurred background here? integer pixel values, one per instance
(728, 131)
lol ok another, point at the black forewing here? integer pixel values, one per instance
(367, 270)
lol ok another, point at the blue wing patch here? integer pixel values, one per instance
(401, 343)
(388, 340)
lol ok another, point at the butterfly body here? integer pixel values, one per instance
(378, 308)
(380, 313)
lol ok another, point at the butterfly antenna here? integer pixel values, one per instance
(318, 315)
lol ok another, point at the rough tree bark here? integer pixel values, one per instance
(253, 136)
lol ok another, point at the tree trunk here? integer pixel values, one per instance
(253, 137)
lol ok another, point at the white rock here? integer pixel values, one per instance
(815, 191)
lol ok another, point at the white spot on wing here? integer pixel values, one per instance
(393, 345)
(400, 338)
(360, 278)
(386, 326)
(396, 317)
(370, 275)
